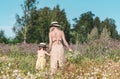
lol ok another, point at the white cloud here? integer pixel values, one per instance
(8, 31)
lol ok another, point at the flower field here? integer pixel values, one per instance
(94, 60)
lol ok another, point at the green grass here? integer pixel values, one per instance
(15, 64)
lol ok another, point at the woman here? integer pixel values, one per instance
(56, 36)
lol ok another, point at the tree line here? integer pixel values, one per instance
(33, 25)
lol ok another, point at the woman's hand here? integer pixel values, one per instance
(49, 50)
(70, 50)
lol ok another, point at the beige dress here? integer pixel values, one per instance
(57, 55)
(41, 61)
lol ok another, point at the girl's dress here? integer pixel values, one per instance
(41, 61)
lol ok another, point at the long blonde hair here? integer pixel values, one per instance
(52, 28)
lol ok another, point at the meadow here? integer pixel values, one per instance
(99, 59)
(94, 60)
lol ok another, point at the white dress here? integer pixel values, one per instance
(57, 56)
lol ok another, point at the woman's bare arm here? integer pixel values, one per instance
(65, 42)
(50, 42)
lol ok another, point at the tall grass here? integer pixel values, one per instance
(79, 65)
(97, 59)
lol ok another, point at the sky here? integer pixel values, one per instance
(73, 8)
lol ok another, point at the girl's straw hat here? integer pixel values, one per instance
(42, 45)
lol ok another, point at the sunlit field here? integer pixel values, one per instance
(95, 60)
(91, 28)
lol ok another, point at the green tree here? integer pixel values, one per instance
(83, 26)
(73, 36)
(93, 35)
(3, 39)
(35, 28)
(97, 23)
(59, 15)
(110, 25)
(22, 23)
(38, 31)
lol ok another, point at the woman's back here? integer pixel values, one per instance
(56, 36)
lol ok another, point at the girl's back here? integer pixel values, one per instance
(41, 53)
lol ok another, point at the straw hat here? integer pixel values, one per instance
(54, 23)
(42, 45)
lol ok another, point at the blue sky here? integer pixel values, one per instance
(73, 8)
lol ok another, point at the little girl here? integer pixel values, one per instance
(41, 60)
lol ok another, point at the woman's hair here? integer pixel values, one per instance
(51, 29)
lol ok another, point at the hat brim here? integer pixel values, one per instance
(43, 46)
(54, 25)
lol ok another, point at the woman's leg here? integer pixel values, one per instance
(53, 65)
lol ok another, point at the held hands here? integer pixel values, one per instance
(49, 49)
(70, 50)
